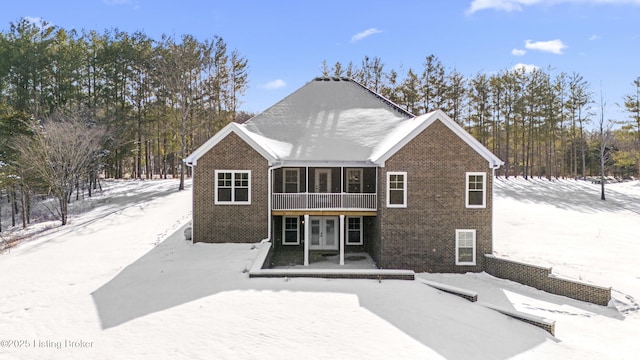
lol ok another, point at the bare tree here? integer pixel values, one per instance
(605, 137)
(57, 155)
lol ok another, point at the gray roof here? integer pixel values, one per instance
(335, 120)
(328, 119)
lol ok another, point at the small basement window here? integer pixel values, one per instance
(354, 230)
(290, 230)
(466, 247)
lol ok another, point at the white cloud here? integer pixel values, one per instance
(518, 52)
(552, 46)
(595, 37)
(364, 34)
(504, 5)
(275, 84)
(526, 67)
(518, 5)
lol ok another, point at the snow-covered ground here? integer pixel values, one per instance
(115, 283)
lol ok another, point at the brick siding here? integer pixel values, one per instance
(422, 236)
(230, 223)
(542, 278)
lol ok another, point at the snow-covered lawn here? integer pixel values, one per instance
(565, 225)
(115, 283)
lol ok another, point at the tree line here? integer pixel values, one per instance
(539, 123)
(144, 104)
(79, 105)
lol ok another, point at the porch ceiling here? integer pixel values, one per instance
(323, 212)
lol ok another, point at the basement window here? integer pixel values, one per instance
(465, 247)
(290, 230)
(354, 230)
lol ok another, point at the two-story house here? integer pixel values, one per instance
(335, 167)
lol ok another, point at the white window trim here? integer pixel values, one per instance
(404, 201)
(233, 179)
(284, 179)
(284, 230)
(361, 242)
(484, 190)
(471, 263)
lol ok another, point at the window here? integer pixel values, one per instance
(475, 190)
(465, 247)
(354, 231)
(290, 231)
(233, 187)
(397, 189)
(354, 180)
(291, 180)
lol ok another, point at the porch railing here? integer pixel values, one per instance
(316, 201)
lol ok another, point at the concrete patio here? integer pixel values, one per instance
(321, 260)
(321, 265)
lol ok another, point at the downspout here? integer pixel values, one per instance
(494, 167)
(269, 211)
(193, 189)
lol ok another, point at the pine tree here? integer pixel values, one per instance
(632, 107)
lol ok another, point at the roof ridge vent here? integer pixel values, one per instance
(332, 78)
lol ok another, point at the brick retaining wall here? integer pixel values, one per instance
(542, 278)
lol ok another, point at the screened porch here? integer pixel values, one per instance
(319, 188)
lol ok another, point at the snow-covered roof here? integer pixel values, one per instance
(329, 119)
(406, 131)
(334, 120)
(260, 144)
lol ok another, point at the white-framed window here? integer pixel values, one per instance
(291, 179)
(290, 230)
(354, 180)
(397, 189)
(475, 190)
(354, 230)
(465, 246)
(233, 187)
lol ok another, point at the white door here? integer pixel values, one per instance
(323, 181)
(324, 233)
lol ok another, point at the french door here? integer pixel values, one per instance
(324, 232)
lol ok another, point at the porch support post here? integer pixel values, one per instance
(341, 239)
(341, 188)
(306, 190)
(306, 240)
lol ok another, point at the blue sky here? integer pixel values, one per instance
(286, 41)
